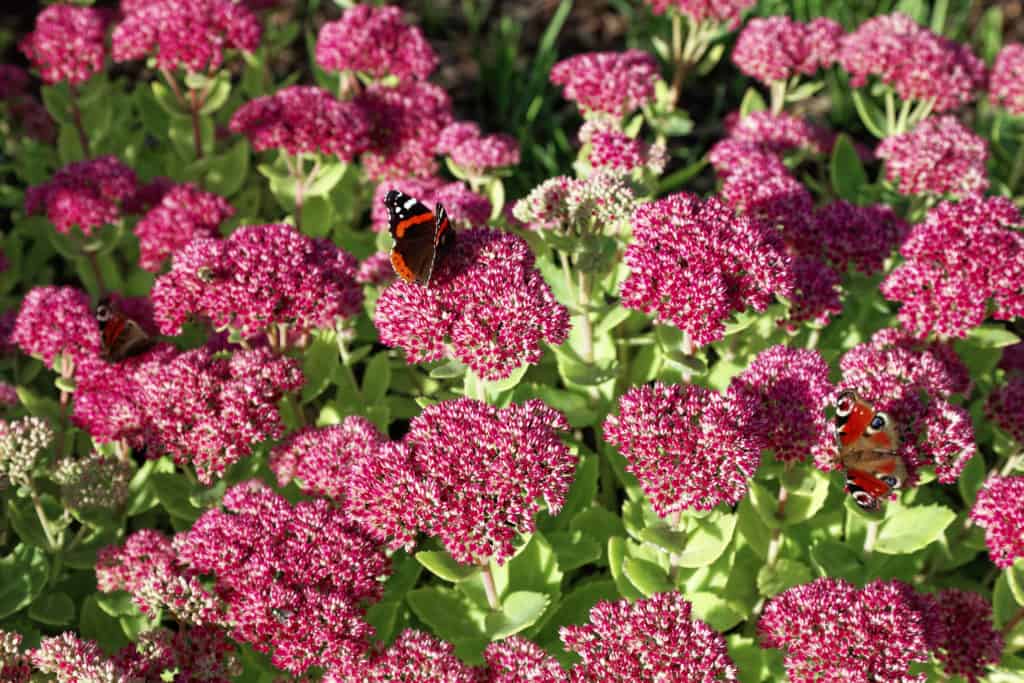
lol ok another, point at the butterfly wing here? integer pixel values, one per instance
(121, 336)
(868, 444)
(414, 228)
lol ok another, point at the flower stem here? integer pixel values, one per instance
(76, 116)
(901, 122)
(677, 56)
(587, 352)
(778, 96)
(1018, 167)
(94, 264)
(1012, 623)
(197, 133)
(346, 361)
(871, 538)
(37, 503)
(489, 587)
(890, 112)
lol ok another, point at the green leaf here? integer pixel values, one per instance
(598, 523)
(534, 567)
(116, 604)
(971, 479)
(25, 522)
(1015, 579)
(377, 378)
(833, 558)
(752, 102)
(320, 362)
(573, 549)
(616, 561)
(870, 114)
(519, 610)
(749, 658)
(575, 607)
(848, 174)
(39, 406)
(225, 174)
(648, 577)
(711, 608)
(175, 494)
(909, 529)
(447, 612)
(992, 336)
(55, 609)
(218, 95)
(785, 574)
(23, 575)
(583, 489)
(84, 554)
(453, 369)
(808, 489)
(96, 625)
(663, 537)
(441, 564)
(327, 177)
(708, 540)
(989, 33)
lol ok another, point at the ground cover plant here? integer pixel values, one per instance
(671, 340)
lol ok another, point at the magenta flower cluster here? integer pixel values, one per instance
(613, 83)
(474, 152)
(377, 42)
(56, 321)
(963, 264)
(260, 276)
(210, 411)
(719, 11)
(914, 381)
(67, 44)
(184, 213)
(191, 34)
(689, 446)
(916, 63)
(88, 194)
(940, 156)
(487, 306)
(648, 640)
(999, 509)
(301, 119)
(777, 48)
(1006, 82)
(695, 263)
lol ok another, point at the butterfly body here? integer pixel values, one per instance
(420, 236)
(121, 336)
(868, 444)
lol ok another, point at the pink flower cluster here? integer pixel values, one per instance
(614, 150)
(788, 389)
(301, 119)
(999, 509)
(88, 194)
(15, 666)
(1005, 407)
(322, 458)
(414, 657)
(54, 321)
(726, 12)
(614, 83)
(694, 264)
(913, 382)
(295, 578)
(463, 206)
(184, 213)
(918, 64)
(375, 41)
(963, 264)
(651, 639)
(260, 276)
(487, 306)
(67, 43)
(859, 236)
(474, 152)
(210, 411)
(940, 156)
(775, 133)
(689, 446)
(831, 630)
(191, 34)
(1006, 83)
(777, 48)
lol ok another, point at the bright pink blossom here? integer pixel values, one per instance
(376, 270)
(56, 320)
(375, 41)
(320, 458)
(260, 276)
(969, 644)
(689, 446)
(831, 630)
(487, 305)
(477, 153)
(695, 263)
(192, 34)
(516, 659)
(88, 194)
(1006, 83)
(302, 119)
(963, 264)
(777, 48)
(940, 156)
(15, 665)
(67, 43)
(612, 82)
(1005, 407)
(726, 12)
(999, 508)
(859, 236)
(184, 213)
(414, 657)
(917, 63)
(778, 133)
(210, 411)
(652, 639)
(615, 150)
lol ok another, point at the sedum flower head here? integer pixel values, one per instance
(183, 213)
(696, 263)
(1006, 83)
(859, 236)
(191, 34)
(486, 305)
(15, 666)
(777, 48)
(95, 482)
(22, 444)
(67, 44)
(516, 659)
(1005, 407)
(689, 446)
(651, 639)
(969, 644)
(719, 11)
(88, 194)
(999, 508)
(940, 156)
(964, 263)
(414, 657)
(375, 41)
(610, 82)
(54, 321)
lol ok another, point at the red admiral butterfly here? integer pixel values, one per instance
(121, 336)
(419, 236)
(868, 441)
